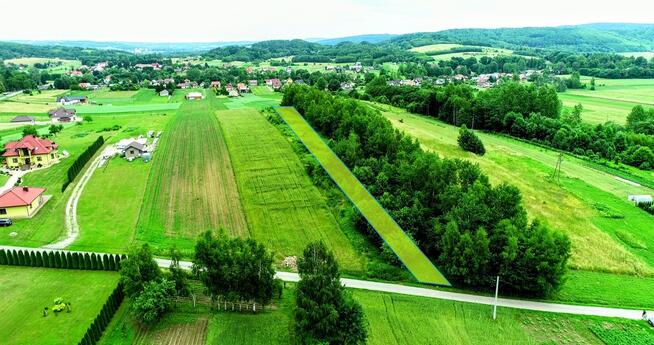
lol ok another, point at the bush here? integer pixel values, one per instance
(469, 141)
(154, 301)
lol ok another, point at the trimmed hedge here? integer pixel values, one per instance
(95, 330)
(59, 259)
(81, 161)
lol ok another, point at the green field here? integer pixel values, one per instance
(26, 291)
(255, 100)
(277, 193)
(607, 232)
(440, 51)
(63, 67)
(390, 319)
(108, 109)
(612, 100)
(191, 186)
(407, 251)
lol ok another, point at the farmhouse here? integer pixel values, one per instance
(215, 84)
(30, 151)
(69, 100)
(194, 95)
(75, 73)
(23, 119)
(164, 93)
(229, 87)
(21, 202)
(233, 93)
(62, 114)
(134, 150)
(242, 87)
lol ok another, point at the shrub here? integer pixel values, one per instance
(469, 141)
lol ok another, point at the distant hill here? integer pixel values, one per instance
(10, 50)
(141, 47)
(579, 38)
(374, 38)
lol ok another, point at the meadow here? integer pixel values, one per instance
(440, 51)
(191, 186)
(62, 65)
(26, 291)
(612, 99)
(284, 210)
(406, 250)
(259, 99)
(108, 209)
(608, 234)
(391, 319)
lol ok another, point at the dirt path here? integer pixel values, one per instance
(72, 227)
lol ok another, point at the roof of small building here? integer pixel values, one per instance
(20, 196)
(37, 145)
(62, 112)
(22, 119)
(136, 145)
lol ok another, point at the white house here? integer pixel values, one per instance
(640, 199)
(194, 95)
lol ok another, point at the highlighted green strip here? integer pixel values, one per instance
(407, 251)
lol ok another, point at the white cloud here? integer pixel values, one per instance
(201, 20)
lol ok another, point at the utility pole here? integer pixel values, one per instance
(497, 289)
(556, 174)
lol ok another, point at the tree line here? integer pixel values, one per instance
(531, 112)
(59, 259)
(81, 161)
(471, 229)
(102, 320)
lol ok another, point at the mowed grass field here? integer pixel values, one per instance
(407, 251)
(256, 100)
(611, 239)
(191, 186)
(612, 99)
(285, 211)
(390, 319)
(441, 51)
(26, 291)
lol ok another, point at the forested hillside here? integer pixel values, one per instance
(582, 38)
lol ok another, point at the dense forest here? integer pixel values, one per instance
(529, 112)
(471, 229)
(580, 38)
(303, 51)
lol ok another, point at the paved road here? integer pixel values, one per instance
(444, 295)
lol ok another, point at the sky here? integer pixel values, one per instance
(254, 20)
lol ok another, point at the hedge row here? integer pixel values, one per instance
(57, 259)
(81, 161)
(95, 330)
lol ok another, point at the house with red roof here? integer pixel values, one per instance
(30, 152)
(21, 202)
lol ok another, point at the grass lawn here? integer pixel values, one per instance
(390, 319)
(191, 186)
(612, 100)
(26, 291)
(277, 193)
(407, 251)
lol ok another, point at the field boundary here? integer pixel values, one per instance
(414, 259)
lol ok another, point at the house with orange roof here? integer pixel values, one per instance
(21, 202)
(30, 152)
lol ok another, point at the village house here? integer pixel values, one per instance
(253, 82)
(241, 87)
(155, 66)
(233, 93)
(70, 100)
(75, 73)
(249, 70)
(23, 119)
(356, 67)
(62, 114)
(134, 150)
(194, 95)
(229, 87)
(164, 93)
(347, 86)
(87, 86)
(215, 84)
(30, 151)
(21, 202)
